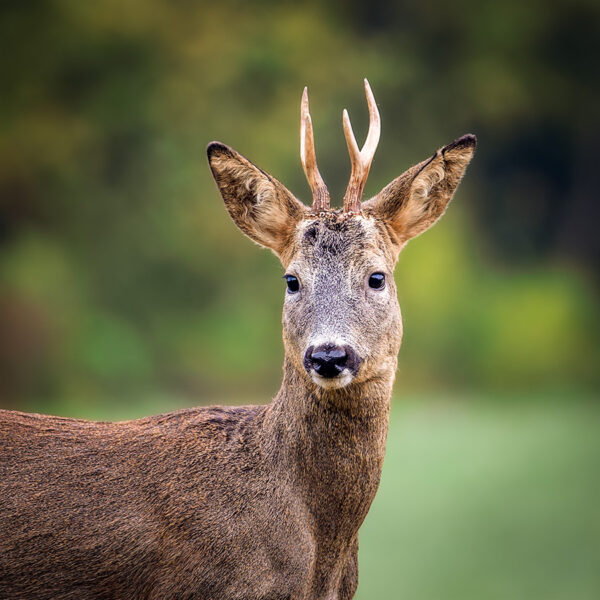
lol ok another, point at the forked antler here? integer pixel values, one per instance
(309, 158)
(361, 160)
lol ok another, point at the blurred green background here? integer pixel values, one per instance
(125, 290)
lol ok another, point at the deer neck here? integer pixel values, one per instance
(330, 444)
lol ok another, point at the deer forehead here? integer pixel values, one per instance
(337, 242)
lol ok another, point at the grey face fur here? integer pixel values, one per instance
(334, 258)
(333, 253)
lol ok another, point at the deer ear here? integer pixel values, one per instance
(262, 207)
(414, 201)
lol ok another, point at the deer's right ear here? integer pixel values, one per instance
(262, 207)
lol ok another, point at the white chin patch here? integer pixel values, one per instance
(332, 383)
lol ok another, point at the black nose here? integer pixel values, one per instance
(329, 360)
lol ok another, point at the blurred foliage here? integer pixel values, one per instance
(121, 275)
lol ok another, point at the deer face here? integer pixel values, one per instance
(341, 319)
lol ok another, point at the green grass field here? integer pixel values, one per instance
(486, 502)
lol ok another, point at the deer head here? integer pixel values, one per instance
(341, 319)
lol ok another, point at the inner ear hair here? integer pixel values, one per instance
(413, 202)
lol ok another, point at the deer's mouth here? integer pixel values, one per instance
(332, 383)
(330, 365)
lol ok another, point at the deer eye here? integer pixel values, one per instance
(293, 285)
(377, 281)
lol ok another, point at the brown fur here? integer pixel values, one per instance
(258, 502)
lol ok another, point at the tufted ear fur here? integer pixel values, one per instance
(414, 201)
(262, 207)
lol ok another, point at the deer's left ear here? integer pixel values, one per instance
(262, 207)
(414, 201)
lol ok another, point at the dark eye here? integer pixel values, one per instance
(293, 285)
(377, 281)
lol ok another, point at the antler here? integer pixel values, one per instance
(309, 158)
(361, 160)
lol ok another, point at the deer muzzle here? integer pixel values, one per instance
(327, 363)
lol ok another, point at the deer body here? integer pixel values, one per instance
(239, 502)
(253, 503)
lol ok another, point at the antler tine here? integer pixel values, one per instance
(309, 158)
(361, 159)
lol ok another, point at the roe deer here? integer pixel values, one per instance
(253, 502)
